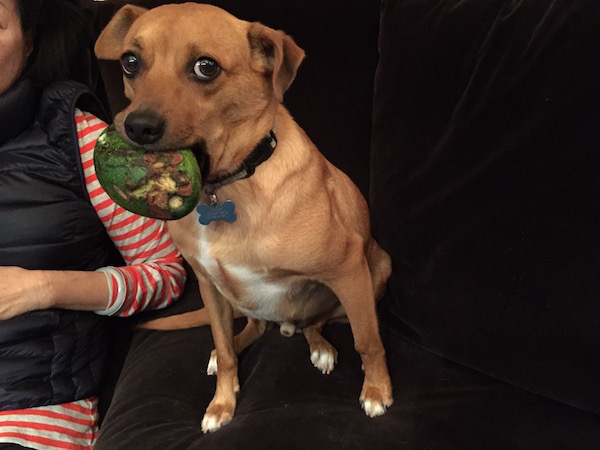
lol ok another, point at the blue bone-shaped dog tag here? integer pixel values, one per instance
(214, 212)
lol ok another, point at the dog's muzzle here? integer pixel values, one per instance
(144, 127)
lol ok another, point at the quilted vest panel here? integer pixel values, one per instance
(47, 222)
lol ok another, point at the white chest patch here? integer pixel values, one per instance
(253, 293)
(259, 293)
(204, 257)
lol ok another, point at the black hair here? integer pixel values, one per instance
(61, 31)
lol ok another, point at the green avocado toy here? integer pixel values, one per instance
(159, 184)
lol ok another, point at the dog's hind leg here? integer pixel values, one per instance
(380, 266)
(252, 331)
(354, 288)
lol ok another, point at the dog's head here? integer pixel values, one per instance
(195, 74)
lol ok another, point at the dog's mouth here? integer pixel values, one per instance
(155, 142)
(202, 157)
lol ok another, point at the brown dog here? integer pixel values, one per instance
(297, 249)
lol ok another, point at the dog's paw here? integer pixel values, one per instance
(374, 401)
(211, 369)
(216, 416)
(324, 359)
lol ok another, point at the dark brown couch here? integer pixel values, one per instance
(473, 127)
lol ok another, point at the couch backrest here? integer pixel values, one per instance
(485, 186)
(332, 95)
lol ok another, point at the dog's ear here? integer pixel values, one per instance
(277, 54)
(110, 41)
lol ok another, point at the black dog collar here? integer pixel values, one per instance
(260, 154)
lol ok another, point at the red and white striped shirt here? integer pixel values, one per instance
(153, 278)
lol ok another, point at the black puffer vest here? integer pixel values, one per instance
(47, 222)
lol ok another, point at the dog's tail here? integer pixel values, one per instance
(190, 319)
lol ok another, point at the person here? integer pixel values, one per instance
(68, 254)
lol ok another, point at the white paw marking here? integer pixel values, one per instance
(211, 423)
(212, 364)
(324, 360)
(287, 329)
(373, 408)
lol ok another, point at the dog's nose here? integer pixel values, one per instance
(144, 127)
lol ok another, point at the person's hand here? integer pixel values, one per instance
(21, 291)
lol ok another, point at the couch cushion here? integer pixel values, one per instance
(485, 186)
(285, 402)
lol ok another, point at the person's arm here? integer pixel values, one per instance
(153, 278)
(23, 290)
(154, 275)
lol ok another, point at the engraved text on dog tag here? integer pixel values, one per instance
(215, 211)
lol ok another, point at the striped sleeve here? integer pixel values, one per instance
(154, 275)
(68, 426)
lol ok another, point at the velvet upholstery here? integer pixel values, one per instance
(482, 119)
(492, 183)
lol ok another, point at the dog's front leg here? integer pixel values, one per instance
(249, 335)
(221, 408)
(354, 289)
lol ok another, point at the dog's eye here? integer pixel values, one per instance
(206, 69)
(130, 64)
